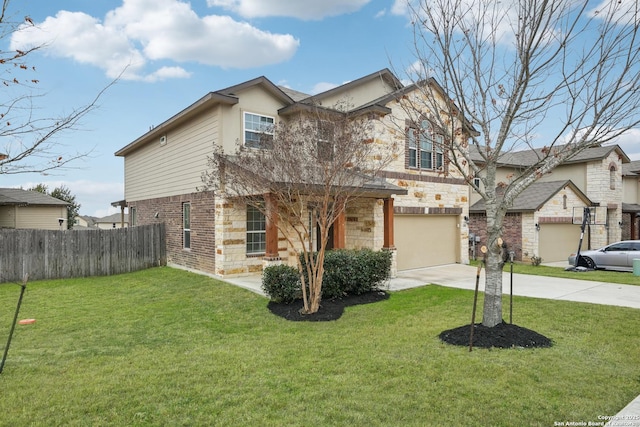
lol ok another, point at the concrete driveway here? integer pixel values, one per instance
(464, 277)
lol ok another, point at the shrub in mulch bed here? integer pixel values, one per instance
(330, 309)
(503, 335)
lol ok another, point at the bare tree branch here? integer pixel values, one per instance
(519, 70)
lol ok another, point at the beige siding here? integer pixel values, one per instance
(41, 217)
(174, 168)
(253, 100)
(360, 95)
(631, 190)
(576, 173)
(177, 166)
(8, 216)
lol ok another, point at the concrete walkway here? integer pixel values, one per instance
(464, 277)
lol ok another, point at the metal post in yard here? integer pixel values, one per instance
(475, 300)
(511, 256)
(23, 286)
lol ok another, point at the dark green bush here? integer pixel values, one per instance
(282, 283)
(353, 272)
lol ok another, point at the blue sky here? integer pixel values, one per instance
(173, 52)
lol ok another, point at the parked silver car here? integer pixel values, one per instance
(616, 256)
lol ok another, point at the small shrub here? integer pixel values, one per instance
(353, 272)
(281, 283)
(536, 261)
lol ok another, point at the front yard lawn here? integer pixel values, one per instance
(168, 347)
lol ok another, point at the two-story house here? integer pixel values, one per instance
(544, 219)
(631, 200)
(418, 213)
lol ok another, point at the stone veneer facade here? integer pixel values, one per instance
(600, 189)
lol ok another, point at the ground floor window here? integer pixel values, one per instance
(186, 225)
(256, 231)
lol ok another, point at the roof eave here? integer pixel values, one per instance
(206, 101)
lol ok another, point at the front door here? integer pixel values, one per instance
(329, 240)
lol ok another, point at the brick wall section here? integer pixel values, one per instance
(511, 232)
(201, 255)
(627, 218)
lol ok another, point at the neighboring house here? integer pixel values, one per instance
(31, 209)
(631, 201)
(106, 223)
(418, 211)
(84, 223)
(549, 230)
(112, 221)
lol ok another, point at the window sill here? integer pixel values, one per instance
(256, 255)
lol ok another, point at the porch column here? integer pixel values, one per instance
(388, 224)
(271, 249)
(340, 231)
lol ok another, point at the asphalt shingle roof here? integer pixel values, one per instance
(534, 197)
(531, 157)
(17, 196)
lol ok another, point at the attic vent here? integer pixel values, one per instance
(163, 140)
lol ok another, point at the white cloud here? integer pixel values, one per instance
(322, 87)
(622, 11)
(630, 143)
(300, 9)
(400, 7)
(141, 31)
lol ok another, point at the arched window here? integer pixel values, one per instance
(612, 177)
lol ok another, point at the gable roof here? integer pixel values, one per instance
(532, 156)
(116, 217)
(385, 74)
(20, 197)
(228, 96)
(535, 196)
(309, 102)
(631, 168)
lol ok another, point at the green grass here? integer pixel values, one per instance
(621, 277)
(167, 347)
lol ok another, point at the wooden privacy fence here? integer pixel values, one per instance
(57, 254)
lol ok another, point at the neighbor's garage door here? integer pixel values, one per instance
(558, 241)
(425, 240)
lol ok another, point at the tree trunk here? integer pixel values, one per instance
(492, 309)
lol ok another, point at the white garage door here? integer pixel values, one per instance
(425, 240)
(558, 241)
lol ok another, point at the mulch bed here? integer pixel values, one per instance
(503, 335)
(329, 309)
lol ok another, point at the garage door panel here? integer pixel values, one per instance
(558, 241)
(425, 240)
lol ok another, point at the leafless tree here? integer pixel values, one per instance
(28, 140)
(516, 70)
(302, 174)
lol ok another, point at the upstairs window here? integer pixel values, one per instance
(612, 177)
(325, 142)
(258, 130)
(425, 149)
(413, 148)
